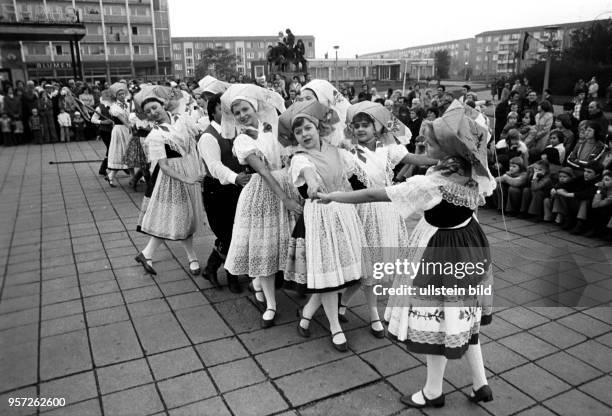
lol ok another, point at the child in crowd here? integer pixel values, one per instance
(510, 148)
(575, 205)
(79, 126)
(532, 204)
(512, 123)
(601, 216)
(35, 124)
(17, 131)
(63, 118)
(6, 129)
(511, 186)
(554, 153)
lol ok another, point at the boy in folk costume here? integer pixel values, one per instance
(222, 185)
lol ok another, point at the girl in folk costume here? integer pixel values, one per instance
(324, 92)
(443, 326)
(268, 205)
(135, 156)
(121, 133)
(377, 154)
(172, 208)
(325, 254)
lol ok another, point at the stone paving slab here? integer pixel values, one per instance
(80, 320)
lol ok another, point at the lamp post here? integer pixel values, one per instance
(336, 47)
(549, 46)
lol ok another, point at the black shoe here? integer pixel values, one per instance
(267, 323)
(304, 332)
(483, 394)
(212, 278)
(261, 303)
(233, 284)
(377, 333)
(140, 258)
(340, 347)
(437, 402)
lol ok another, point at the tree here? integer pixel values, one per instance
(592, 43)
(442, 63)
(218, 62)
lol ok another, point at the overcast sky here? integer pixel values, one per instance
(368, 26)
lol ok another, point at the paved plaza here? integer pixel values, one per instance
(80, 320)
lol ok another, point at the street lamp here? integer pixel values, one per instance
(549, 46)
(336, 47)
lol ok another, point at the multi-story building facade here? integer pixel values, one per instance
(499, 51)
(458, 50)
(492, 52)
(186, 51)
(124, 38)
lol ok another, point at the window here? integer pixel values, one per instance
(248, 45)
(114, 10)
(189, 61)
(176, 47)
(94, 50)
(177, 57)
(477, 67)
(189, 72)
(210, 45)
(178, 67)
(58, 50)
(189, 52)
(478, 58)
(239, 51)
(37, 49)
(227, 45)
(118, 50)
(478, 40)
(488, 38)
(139, 11)
(136, 49)
(116, 30)
(250, 55)
(199, 45)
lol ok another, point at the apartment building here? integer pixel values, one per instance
(124, 38)
(186, 51)
(492, 52)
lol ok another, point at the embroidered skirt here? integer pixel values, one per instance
(120, 138)
(174, 210)
(441, 325)
(135, 156)
(325, 249)
(386, 232)
(262, 227)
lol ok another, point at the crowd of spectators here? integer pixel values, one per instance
(553, 166)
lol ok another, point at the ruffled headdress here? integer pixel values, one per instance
(383, 119)
(310, 110)
(458, 133)
(212, 85)
(116, 87)
(329, 96)
(267, 105)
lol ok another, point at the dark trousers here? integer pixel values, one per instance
(106, 139)
(220, 203)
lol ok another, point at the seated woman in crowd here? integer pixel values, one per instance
(510, 148)
(544, 121)
(540, 184)
(512, 123)
(563, 123)
(590, 150)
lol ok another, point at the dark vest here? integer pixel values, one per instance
(227, 157)
(105, 111)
